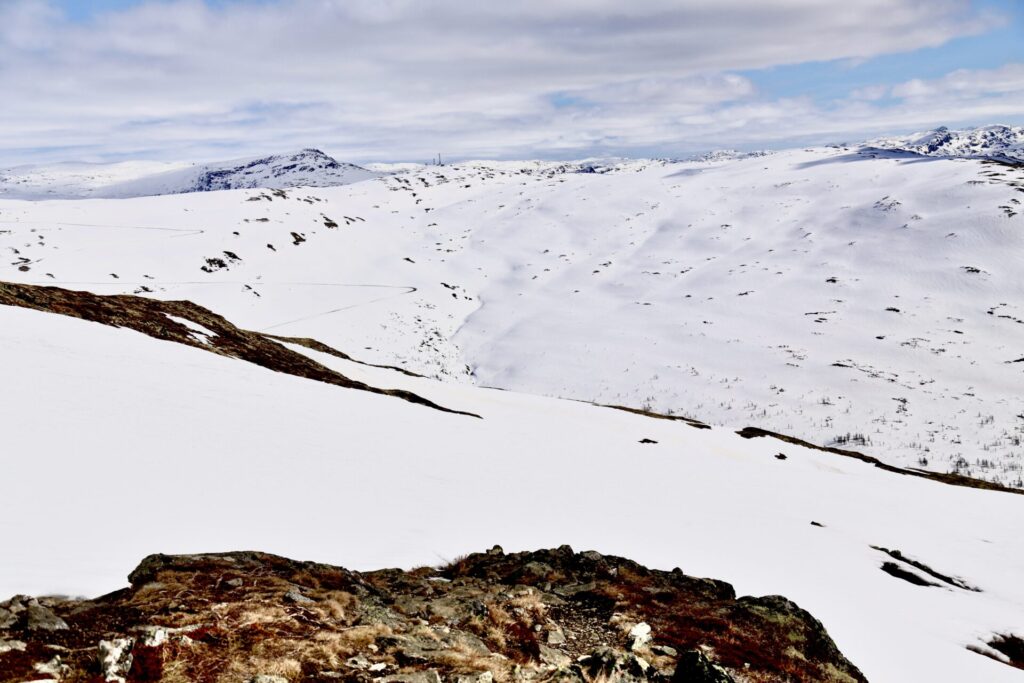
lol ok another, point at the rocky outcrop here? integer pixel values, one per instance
(1001, 143)
(551, 615)
(178, 321)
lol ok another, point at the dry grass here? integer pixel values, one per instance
(463, 659)
(337, 606)
(360, 637)
(530, 605)
(241, 672)
(509, 626)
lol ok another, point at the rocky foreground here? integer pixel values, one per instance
(552, 615)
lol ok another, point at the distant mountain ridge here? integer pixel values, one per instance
(305, 168)
(1003, 143)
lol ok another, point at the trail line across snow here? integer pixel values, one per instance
(408, 289)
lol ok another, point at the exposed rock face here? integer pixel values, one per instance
(1004, 143)
(552, 615)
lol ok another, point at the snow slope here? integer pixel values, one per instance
(306, 168)
(118, 445)
(74, 180)
(1005, 143)
(864, 298)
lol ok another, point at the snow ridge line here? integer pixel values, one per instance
(150, 317)
(945, 478)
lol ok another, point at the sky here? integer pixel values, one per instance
(403, 80)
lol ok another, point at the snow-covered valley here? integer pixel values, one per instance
(868, 299)
(865, 299)
(134, 444)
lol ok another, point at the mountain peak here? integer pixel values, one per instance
(997, 141)
(306, 168)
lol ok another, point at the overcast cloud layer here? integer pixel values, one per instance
(403, 79)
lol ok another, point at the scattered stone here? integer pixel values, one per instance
(265, 678)
(430, 676)
(55, 668)
(608, 665)
(298, 598)
(7, 618)
(535, 570)
(550, 655)
(665, 650)
(235, 583)
(11, 646)
(639, 636)
(43, 619)
(569, 591)
(556, 637)
(154, 636)
(357, 662)
(482, 677)
(695, 667)
(115, 658)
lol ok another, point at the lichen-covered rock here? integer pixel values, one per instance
(481, 677)
(115, 659)
(611, 665)
(295, 596)
(429, 676)
(40, 618)
(541, 617)
(639, 636)
(53, 667)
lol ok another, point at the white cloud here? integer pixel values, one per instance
(405, 78)
(959, 98)
(965, 82)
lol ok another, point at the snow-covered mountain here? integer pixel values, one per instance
(848, 298)
(728, 155)
(852, 298)
(306, 168)
(1005, 143)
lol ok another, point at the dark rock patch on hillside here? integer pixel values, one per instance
(951, 478)
(186, 323)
